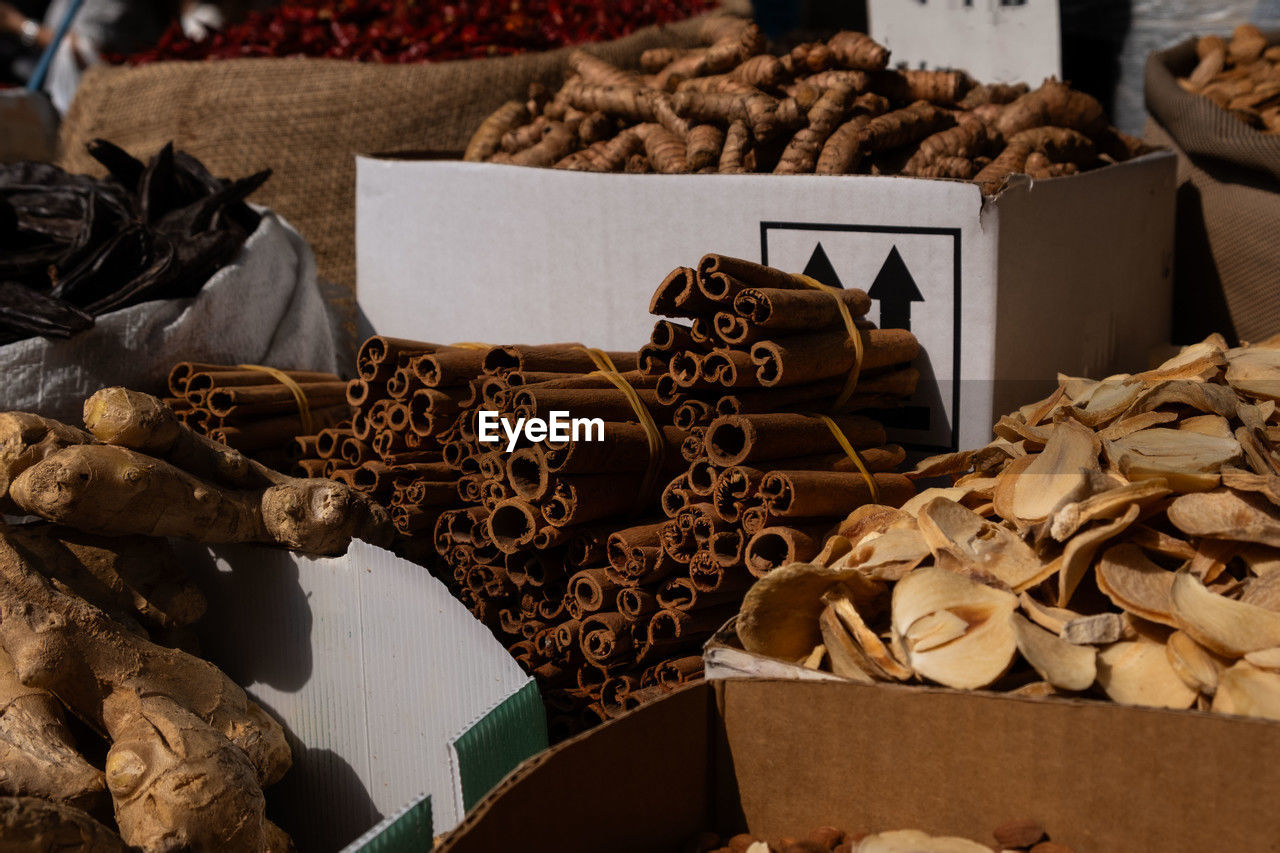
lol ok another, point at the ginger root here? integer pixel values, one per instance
(115, 491)
(25, 439)
(38, 756)
(33, 825)
(313, 516)
(189, 749)
(125, 576)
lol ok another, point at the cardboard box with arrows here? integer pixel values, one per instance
(1066, 274)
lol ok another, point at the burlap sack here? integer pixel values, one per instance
(1227, 269)
(307, 119)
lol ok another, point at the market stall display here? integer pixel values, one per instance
(604, 561)
(76, 247)
(1117, 539)
(829, 108)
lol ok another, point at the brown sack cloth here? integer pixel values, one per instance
(1227, 269)
(306, 119)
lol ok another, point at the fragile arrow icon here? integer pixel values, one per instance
(895, 289)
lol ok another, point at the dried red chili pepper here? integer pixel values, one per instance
(419, 30)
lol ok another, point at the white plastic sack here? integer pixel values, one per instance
(263, 308)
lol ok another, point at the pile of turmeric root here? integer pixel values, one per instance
(830, 108)
(160, 750)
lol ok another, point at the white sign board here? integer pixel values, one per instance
(996, 41)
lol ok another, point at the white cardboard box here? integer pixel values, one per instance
(377, 674)
(1004, 41)
(1071, 274)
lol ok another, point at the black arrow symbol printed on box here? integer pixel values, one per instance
(820, 269)
(895, 288)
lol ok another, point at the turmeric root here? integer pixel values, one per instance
(38, 756)
(858, 80)
(25, 439)
(33, 825)
(628, 103)
(966, 140)
(761, 71)
(1054, 103)
(842, 151)
(703, 145)
(666, 115)
(598, 71)
(1010, 161)
(992, 93)
(736, 140)
(665, 150)
(655, 59)
(517, 140)
(801, 154)
(810, 57)
(484, 142)
(937, 87)
(858, 50)
(1058, 144)
(608, 155)
(960, 168)
(734, 48)
(557, 142)
(189, 752)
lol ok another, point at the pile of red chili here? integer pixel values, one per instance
(420, 30)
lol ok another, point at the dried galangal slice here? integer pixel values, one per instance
(1062, 664)
(915, 841)
(1228, 627)
(1227, 515)
(1059, 475)
(1198, 667)
(1135, 584)
(974, 658)
(779, 615)
(1246, 690)
(959, 534)
(1138, 672)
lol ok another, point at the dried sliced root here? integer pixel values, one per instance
(1246, 690)
(1138, 672)
(1062, 664)
(1057, 476)
(1228, 627)
(977, 657)
(1198, 667)
(1227, 515)
(972, 541)
(1135, 584)
(915, 841)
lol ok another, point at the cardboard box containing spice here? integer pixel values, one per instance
(1070, 274)
(780, 758)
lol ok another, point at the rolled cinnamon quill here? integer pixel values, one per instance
(777, 546)
(818, 493)
(773, 309)
(735, 439)
(797, 359)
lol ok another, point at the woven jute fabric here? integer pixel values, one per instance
(1227, 266)
(307, 119)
